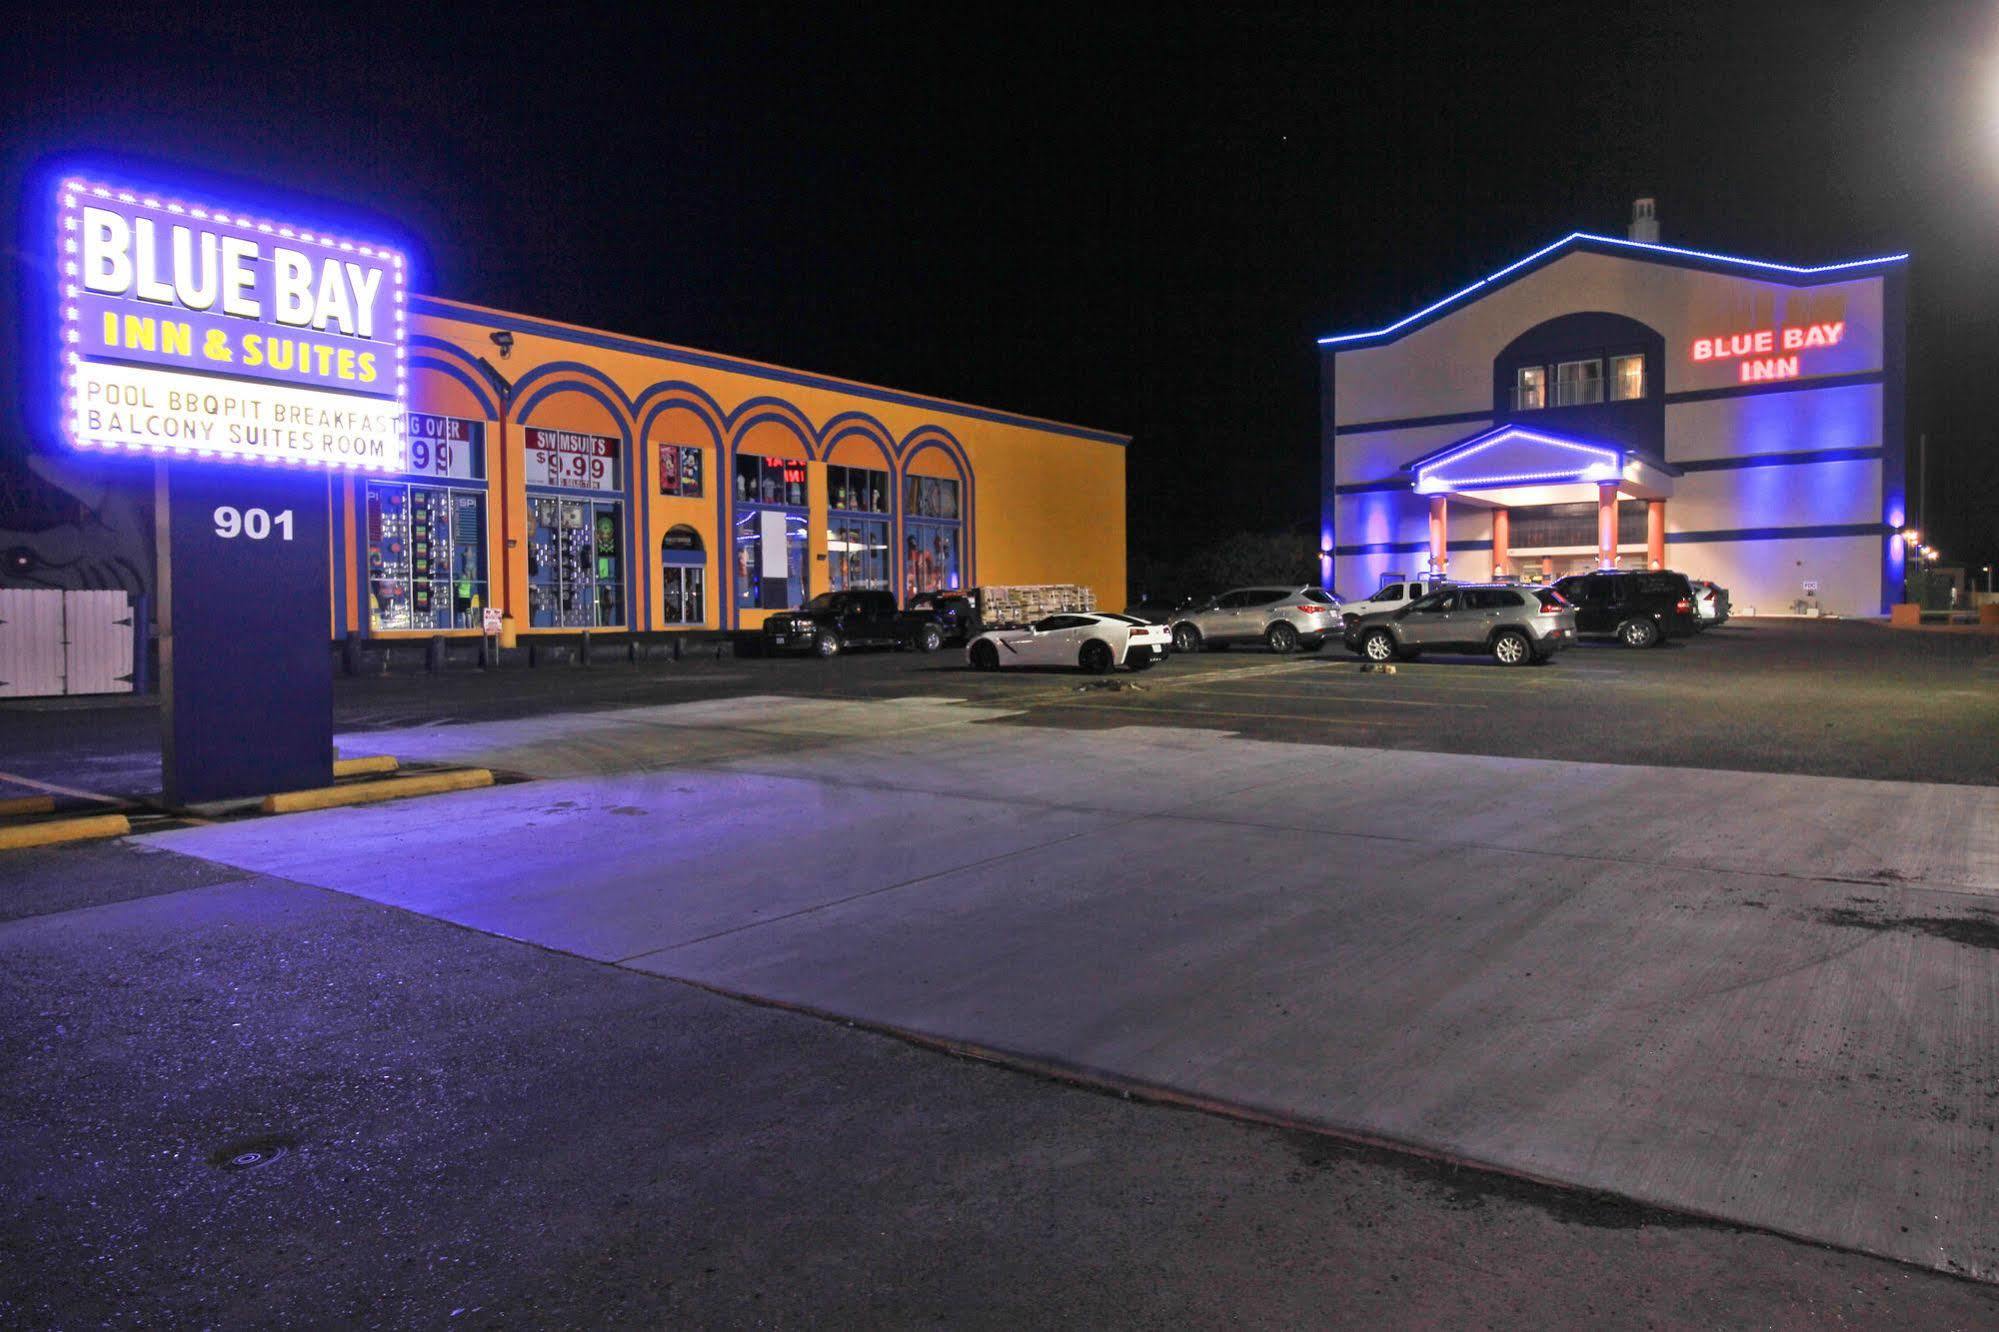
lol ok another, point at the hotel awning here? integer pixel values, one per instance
(1514, 465)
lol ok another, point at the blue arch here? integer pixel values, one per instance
(638, 600)
(856, 423)
(610, 394)
(481, 391)
(655, 401)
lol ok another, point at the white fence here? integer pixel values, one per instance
(54, 642)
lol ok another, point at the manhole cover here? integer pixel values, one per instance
(251, 1154)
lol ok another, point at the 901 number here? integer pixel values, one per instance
(256, 524)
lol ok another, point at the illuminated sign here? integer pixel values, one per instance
(568, 458)
(1768, 353)
(200, 332)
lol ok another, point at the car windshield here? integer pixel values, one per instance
(1323, 598)
(1124, 619)
(824, 601)
(1550, 598)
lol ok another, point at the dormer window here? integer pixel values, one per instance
(1530, 388)
(1578, 382)
(1627, 378)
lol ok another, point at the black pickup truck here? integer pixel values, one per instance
(833, 621)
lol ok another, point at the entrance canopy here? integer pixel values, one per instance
(1513, 465)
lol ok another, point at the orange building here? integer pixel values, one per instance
(575, 479)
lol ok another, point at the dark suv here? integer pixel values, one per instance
(1636, 608)
(832, 621)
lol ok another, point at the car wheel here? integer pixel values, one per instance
(827, 644)
(1096, 658)
(1638, 633)
(1186, 638)
(929, 638)
(1282, 637)
(1511, 648)
(985, 657)
(1378, 646)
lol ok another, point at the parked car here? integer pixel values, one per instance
(1160, 610)
(1393, 596)
(1517, 625)
(957, 615)
(1637, 608)
(1097, 641)
(1282, 617)
(1710, 603)
(834, 621)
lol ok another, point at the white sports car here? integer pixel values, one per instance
(1097, 641)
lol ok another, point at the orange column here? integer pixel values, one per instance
(1655, 534)
(1606, 525)
(1502, 539)
(1439, 534)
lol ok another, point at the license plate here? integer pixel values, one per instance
(780, 640)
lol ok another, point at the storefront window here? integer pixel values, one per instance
(426, 556)
(575, 563)
(762, 480)
(1627, 378)
(857, 490)
(857, 555)
(770, 558)
(680, 470)
(930, 497)
(931, 535)
(684, 570)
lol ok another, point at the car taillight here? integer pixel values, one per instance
(1683, 606)
(1310, 609)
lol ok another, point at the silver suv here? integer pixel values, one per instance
(1282, 617)
(1517, 625)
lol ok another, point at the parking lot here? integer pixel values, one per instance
(1273, 887)
(1827, 698)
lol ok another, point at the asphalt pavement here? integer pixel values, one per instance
(239, 1097)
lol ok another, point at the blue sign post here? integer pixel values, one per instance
(254, 358)
(246, 676)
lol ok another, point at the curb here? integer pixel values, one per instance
(55, 831)
(361, 793)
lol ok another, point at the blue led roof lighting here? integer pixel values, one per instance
(1576, 237)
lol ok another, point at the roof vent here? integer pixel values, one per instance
(1645, 221)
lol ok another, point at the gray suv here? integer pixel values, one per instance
(1517, 625)
(1283, 617)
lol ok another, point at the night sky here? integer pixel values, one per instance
(1104, 215)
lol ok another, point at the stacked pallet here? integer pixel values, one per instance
(1023, 604)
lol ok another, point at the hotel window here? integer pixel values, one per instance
(1530, 388)
(1627, 377)
(1578, 383)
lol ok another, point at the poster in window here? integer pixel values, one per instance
(669, 469)
(690, 471)
(448, 446)
(571, 459)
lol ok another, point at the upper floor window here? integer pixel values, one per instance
(1530, 388)
(1627, 377)
(1578, 383)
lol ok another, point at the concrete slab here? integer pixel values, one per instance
(1679, 985)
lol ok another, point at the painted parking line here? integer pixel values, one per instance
(1196, 714)
(1343, 697)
